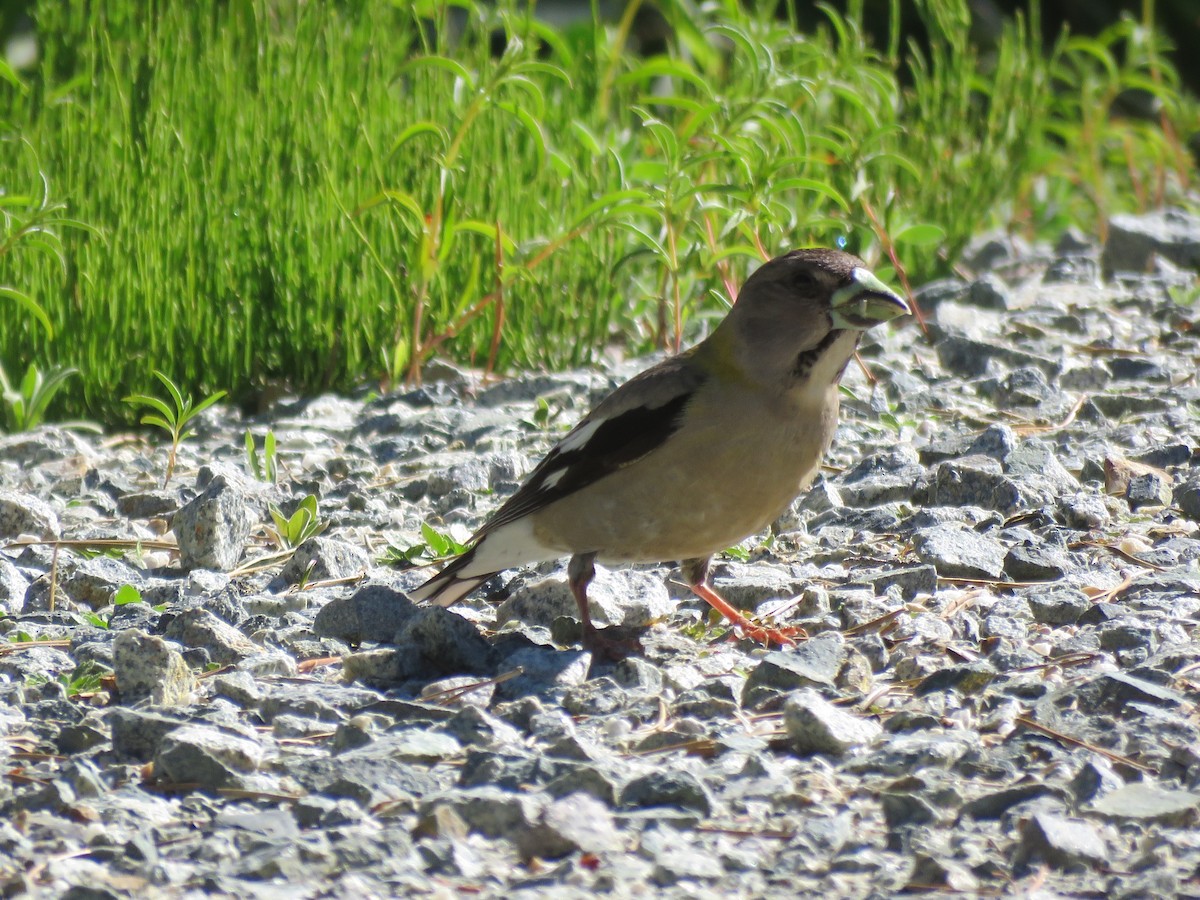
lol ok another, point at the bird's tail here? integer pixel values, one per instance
(447, 587)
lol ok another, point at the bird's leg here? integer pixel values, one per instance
(695, 573)
(580, 572)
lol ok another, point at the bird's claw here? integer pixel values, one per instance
(784, 635)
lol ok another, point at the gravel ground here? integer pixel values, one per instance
(999, 571)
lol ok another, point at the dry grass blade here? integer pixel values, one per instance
(452, 695)
(774, 833)
(991, 582)
(1075, 742)
(878, 624)
(1117, 551)
(695, 747)
(13, 647)
(99, 544)
(1112, 593)
(308, 665)
(263, 563)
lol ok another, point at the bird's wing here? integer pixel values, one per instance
(629, 423)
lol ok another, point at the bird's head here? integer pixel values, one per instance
(800, 315)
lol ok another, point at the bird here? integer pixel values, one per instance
(696, 453)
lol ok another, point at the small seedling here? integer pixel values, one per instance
(25, 403)
(126, 594)
(174, 420)
(84, 679)
(264, 464)
(435, 547)
(292, 531)
(123, 596)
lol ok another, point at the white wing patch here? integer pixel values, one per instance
(552, 479)
(579, 438)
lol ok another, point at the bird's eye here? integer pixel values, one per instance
(804, 278)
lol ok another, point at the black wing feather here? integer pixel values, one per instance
(622, 438)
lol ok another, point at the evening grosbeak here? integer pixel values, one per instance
(698, 452)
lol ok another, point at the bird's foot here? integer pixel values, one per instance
(784, 635)
(613, 643)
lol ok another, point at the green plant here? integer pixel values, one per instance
(123, 596)
(738, 552)
(173, 418)
(35, 222)
(25, 403)
(292, 531)
(524, 209)
(1184, 296)
(434, 547)
(264, 464)
(85, 678)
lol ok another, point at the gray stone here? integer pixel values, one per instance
(148, 666)
(812, 663)
(138, 733)
(148, 504)
(1036, 562)
(206, 757)
(996, 441)
(489, 811)
(374, 612)
(959, 553)
(666, 787)
(1142, 802)
(930, 295)
(239, 686)
(1072, 269)
(576, 822)
(472, 726)
(814, 725)
(989, 292)
(447, 643)
(25, 514)
(1059, 606)
(615, 597)
(324, 558)
(1143, 370)
(95, 581)
(1187, 498)
(1148, 489)
(973, 481)
(13, 588)
(212, 529)
(1061, 842)
(882, 478)
(911, 581)
(965, 679)
(1026, 386)
(224, 644)
(749, 586)
(382, 667)
(369, 775)
(1134, 239)
(543, 669)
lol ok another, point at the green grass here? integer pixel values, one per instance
(325, 194)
